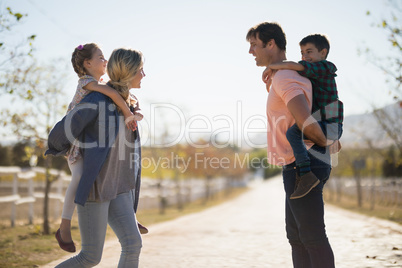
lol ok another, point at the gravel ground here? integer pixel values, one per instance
(249, 232)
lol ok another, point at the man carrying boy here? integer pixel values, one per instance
(326, 106)
(289, 102)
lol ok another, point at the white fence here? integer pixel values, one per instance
(373, 190)
(172, 192)
(152, 190)
(26, 176)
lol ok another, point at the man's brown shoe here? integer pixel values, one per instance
(306, 184)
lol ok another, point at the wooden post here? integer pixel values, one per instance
(31, 204)
(57, 212)
(358, 166)
(13, 205)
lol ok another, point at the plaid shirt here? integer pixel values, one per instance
(325, 95)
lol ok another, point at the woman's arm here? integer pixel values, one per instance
(117, 99)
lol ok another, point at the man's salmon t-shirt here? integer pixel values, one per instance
(286, 84)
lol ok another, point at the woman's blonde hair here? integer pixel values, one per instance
(123, 65)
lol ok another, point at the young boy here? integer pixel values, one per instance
(327, 108)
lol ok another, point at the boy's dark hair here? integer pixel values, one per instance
(267, 31)
(318, 40)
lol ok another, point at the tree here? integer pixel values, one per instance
(5, 156)
(13, 52)
(34, 115)
(19, 154)
(392, 66)
(212, 162)
(392, 165)
(262, 163)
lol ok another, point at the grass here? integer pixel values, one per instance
(386, 212)
(26, 246)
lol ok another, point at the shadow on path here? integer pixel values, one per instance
(250, 232)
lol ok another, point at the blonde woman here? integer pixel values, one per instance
(90, 65)
(108, 191)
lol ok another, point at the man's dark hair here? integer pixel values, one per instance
(318, 40)
(267, 31)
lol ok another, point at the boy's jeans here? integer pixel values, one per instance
(93, 219)
(333, 131)
(305, 226)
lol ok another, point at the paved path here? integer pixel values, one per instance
(249, 232)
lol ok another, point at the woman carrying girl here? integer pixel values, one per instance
(90, 65)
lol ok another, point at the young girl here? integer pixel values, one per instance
(89, 64)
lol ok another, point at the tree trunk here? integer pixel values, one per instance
(162, 199)
(178, 193)
(338, 185)
(372, 194)
(46, 228)
(207, 189)
(358, 189)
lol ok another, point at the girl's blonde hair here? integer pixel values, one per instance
(80, 54)
(123, 65)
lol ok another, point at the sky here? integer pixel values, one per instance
(199, 73)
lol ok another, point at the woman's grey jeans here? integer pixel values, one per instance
(93, 219)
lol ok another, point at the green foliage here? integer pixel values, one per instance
(17, 16)
(5, 159)
(392, 164)
(11, 51)
(8, 19)
(391, 65)
(378, 162)
(19, 154)
(183, 161)
(261, 154)
(40, 97)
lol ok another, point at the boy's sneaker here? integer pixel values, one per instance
(306, 184)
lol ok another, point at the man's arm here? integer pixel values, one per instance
(307, 124)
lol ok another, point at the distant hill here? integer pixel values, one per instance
(359, 129)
